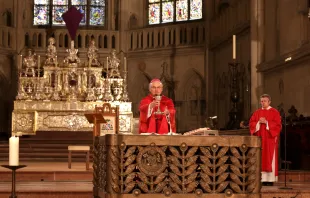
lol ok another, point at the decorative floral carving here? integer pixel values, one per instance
(243, 169)
(99, 166)
(214, 168)
(152, 161)
(183, 169)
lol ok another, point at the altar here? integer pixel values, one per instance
(177, 166)
(56, 95)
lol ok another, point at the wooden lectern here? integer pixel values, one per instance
(101, 115)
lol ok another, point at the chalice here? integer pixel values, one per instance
(158, 98)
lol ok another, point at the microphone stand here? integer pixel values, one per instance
(285, 162)
(169, 123)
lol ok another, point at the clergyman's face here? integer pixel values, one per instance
(156, 88)
(265, 102)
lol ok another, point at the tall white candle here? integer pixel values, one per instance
(125, 64)
(234, 47)
(56, 62)
(14, 151)
(20, 62)
(107, 66)
(39, 61)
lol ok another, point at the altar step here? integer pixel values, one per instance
(72, 189)
(49, 146)
(49, 151)
(294, 176)
(48, 180)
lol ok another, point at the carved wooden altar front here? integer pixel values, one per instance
(176, 166)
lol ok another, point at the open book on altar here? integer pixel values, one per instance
(159, 134)
(200, 131)
(203, 132)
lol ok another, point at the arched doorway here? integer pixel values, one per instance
(191, 102)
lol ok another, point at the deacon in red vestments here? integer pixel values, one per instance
(266, 123)
(150, 120)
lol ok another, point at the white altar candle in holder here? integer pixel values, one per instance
(56, 62)
(20, 62)
(107, 66)
(14, 151)
(234, 47)
(39, 59)
(125, 64)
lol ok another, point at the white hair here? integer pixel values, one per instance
(153, 82)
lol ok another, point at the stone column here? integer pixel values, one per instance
(112, 15)
(83, 36)
(257, 50)
(19, 9)
(209, 62)
(304, 21)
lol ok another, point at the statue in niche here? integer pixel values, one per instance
(30, 62)
(116, 91)
(72, 57)
(51, 52)
(133, 21)
(113, 65)
(92, 54)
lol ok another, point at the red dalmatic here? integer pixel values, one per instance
(156, 123)
(270, 137)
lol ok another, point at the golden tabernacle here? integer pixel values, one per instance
(55, 97)
(152, 166)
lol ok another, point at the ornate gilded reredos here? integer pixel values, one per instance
(56, 94)
(152, 160)
(54, 82)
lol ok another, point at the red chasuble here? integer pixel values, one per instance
(269, 137)
(156, 123)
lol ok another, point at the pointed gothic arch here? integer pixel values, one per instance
(191, 101)
(4, 101)
(190, 77)
(138, 90)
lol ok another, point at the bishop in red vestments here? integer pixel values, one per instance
(150, 121)
(266, 123)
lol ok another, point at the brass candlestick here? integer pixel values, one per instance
(13, 168)
(234, 114)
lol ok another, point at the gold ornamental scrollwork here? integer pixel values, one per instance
(152, 161)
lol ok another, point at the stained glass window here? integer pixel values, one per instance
(40, 12)
(196, 9)
(181, 10)
(59, 7)
(49, 12)
(97, 12)
(81, 5)
(166, 11)
(154, 10)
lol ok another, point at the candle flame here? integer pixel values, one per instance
(288, 59)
